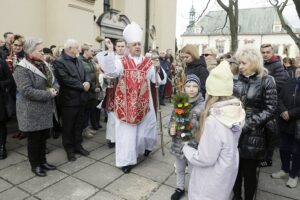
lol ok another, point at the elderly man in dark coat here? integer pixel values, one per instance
(74, 86)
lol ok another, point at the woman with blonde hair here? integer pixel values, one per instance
(194, 64)
(215, 161)
(210, 56)
(258, 93)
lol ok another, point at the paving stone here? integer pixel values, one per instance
(36, 184)
(12, 145)
(22, 150)
(100, 137)
(57, 157)
(149, 169)
(276, 164)
(17, 173)
(22, 142)
(4, 185)
(80, 163)
(277, 186)
(165, 122)
(167, 158)
(13, 194)
(261, 195)
(101, 152)
(104, 195)
(68, 189)
(90, 145)
(164, 193)
(171, 181)
(12, 158)
(57, 142)
(133, 187)
(110, 159)
(31, 198)
(99, 174)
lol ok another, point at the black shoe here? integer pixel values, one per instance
(82, 151)
(147, 152)
(266, 163)
(3, 153)
(46, 166)
(126, 169)
(177, 194)
(39, 171)
(71, 156)
(162, 104)
(111, 144)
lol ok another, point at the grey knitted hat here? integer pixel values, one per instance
(193, 77)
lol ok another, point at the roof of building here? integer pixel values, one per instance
(251, 21)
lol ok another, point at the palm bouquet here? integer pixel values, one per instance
(183, 125)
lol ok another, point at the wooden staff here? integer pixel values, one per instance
(158, 113)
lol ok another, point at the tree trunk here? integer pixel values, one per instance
(297, 5)
(233, 15)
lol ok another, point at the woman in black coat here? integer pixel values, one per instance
(289, 109)
(195, 64)
(257, 91)
(7, 106)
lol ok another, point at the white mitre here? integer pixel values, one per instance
(133, 33)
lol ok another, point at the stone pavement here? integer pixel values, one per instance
(96, 178)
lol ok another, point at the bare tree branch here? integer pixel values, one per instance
(282, 5)
(226, 8)
(198, 18)
(275, 2)
(226, 19)
(279, 9)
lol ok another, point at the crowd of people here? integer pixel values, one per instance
(241, 107)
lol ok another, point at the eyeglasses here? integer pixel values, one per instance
(206, 54)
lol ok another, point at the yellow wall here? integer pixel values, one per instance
(163, 16)
(56, 20)
(23, 17)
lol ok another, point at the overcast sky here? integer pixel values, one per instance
(184, 6)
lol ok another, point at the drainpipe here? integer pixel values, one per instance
(147, 26)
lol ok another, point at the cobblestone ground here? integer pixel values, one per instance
(96, 178)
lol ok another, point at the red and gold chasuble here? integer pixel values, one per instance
(132, 92)
(109, 99)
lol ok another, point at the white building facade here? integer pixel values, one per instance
(264, 28)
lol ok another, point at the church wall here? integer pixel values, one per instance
(56, 20)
